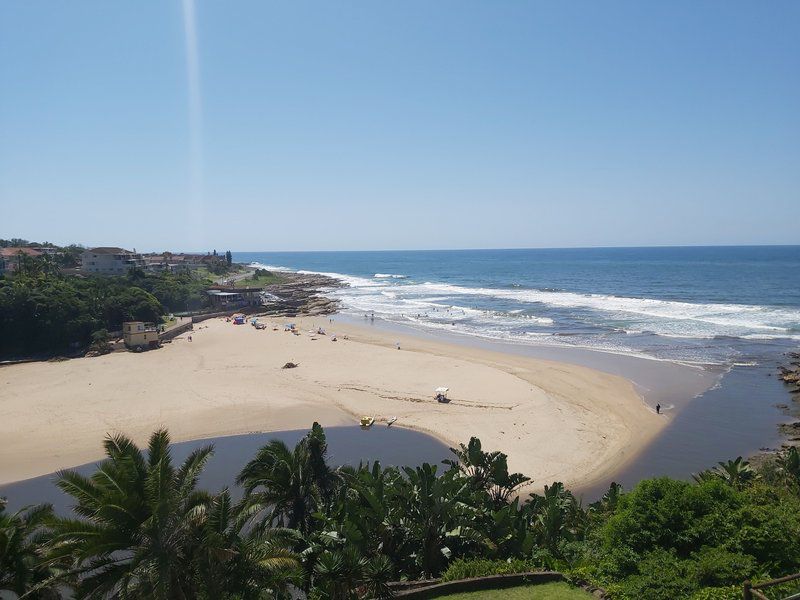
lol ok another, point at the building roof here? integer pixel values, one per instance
(108, 250)
(14, 251)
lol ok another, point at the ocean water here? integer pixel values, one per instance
(699, 330)
(704, 305)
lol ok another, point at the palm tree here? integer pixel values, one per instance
(488, 471)
(507, 532)
(437, 514)
(736, 473)
(22, 535)
(364, 511)
(557, 516)
(136, 531)
(608, 503)
(347, 575)
(285, 487)
(230, 564)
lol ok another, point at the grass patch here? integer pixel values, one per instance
(545, 591)
(259, 279)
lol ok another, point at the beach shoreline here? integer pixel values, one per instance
(555, 420)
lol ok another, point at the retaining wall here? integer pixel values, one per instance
(177, 330)
(493, 582)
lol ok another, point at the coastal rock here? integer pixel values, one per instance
(301, 294)
(790, 430)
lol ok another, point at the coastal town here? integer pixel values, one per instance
(415, 300)
(219, 287)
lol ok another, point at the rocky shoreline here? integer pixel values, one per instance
(300, 295)
(790, 375)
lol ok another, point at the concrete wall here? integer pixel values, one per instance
(245, 310)
(493, 582)
(204, 316)
(177, 330)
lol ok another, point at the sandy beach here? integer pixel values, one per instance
(556, 421)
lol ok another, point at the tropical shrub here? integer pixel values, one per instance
(476, 567)
(143, 528)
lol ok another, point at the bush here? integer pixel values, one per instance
(468, 568)
(100, 342)
(669, 514)
(732, 592)
(769, 529)
(662, 576)
(717, 567)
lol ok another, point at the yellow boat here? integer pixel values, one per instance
(366, 422)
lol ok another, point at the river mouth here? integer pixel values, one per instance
(715, 413)
(349, 445)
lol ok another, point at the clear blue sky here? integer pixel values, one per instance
(392, 125)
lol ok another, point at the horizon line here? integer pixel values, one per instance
(477, 249)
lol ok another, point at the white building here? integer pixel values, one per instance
(109, 261)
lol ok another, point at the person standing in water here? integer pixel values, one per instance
(658, 409)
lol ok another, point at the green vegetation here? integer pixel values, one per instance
(481, 567)
(143, 529)
(43, 311)
(176, 292)
(65, 256)
(545, 591)
(259, 278)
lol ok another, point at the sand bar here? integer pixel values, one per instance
(556, 421)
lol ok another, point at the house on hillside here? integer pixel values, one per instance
(110, 261)
(159, 263)
(10, 258)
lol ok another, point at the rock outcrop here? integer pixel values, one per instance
(790, 374)
(300, 294)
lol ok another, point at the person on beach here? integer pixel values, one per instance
(658, 409)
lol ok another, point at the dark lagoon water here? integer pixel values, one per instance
(346, 446)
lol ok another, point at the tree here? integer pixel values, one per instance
(136, 534)
(488, 471)
(228, 257)
(789, 465)
(285, 487)
(22, 536)
(229, 564)
(557, 516)
(736, 473)
(438, 515)
(347, 574)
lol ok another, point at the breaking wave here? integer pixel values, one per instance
(648, 326)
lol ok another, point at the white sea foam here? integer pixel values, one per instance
(563, 318)
(667, 316)
(258, 265)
